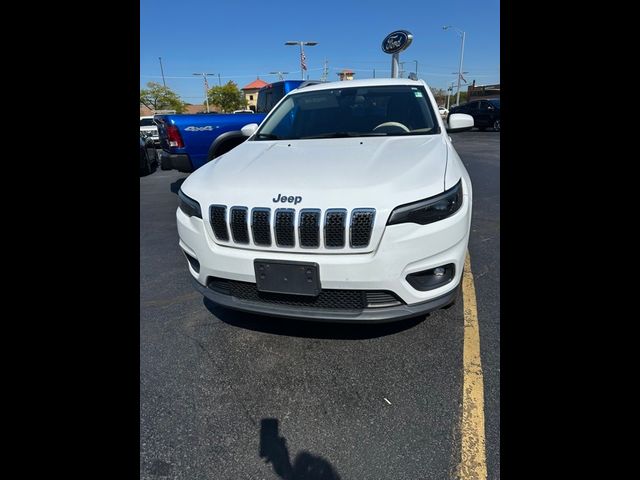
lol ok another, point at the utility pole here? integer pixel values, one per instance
(280, 74)
(162, 71)
(449, 90)
(460, 76)
(206, 86)
(374, 73)
(219, 81)
(325, 71)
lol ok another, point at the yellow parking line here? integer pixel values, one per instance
(473, 465)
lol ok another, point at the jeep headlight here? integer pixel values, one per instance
(429, 210)
(189, 206)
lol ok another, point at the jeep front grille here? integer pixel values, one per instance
(361, 226)
(261, 226)
(315, 228)
(309, 228)
(334, 226)
(218, 217)
(239, 229)
(285, 218)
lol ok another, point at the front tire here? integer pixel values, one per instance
(496, 125)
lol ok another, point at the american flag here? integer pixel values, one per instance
(303, 61)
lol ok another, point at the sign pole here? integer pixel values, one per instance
(393, 44)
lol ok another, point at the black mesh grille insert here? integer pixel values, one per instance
(239, 228)
(260, 226)
(329, 299)
(284, 227)
(218, 218)
(309, 228)
(334, 226)
(380, 298)
(361, 226)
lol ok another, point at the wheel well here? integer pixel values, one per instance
(224, 143)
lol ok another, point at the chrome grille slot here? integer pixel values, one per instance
(284, 220)
(361, 226)
(334, 227)
(218, 219)
(238, 221)
(261, 226)
(309, 228)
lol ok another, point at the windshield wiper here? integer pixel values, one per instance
(268, 136)
(422, 131)
(346, 134)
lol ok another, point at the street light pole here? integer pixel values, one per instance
(461, 57)
(303, 66)
(162, 71)
(206, 87)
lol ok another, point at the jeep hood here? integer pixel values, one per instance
(378, 172)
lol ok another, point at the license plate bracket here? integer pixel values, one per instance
(292, 278)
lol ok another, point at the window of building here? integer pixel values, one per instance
(250, 97)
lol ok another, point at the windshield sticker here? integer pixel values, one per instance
(418, 94)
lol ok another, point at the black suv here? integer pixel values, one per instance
(485, 113)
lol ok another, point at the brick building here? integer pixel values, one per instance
(251, 92)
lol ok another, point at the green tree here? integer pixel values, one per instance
(157, 97)
(227, 97)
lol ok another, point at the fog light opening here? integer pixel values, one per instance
(432, 278)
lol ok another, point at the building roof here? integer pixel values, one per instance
(346, 70)
(257, 83)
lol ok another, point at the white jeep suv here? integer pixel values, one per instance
(347, 203)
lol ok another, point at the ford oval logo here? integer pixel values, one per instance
(397, 41)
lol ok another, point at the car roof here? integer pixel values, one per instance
(367, 82)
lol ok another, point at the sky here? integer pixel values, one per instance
(241, 41)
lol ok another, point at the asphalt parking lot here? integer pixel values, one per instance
(227, 395)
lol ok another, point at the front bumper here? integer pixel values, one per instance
(367, 315)
(403, 249)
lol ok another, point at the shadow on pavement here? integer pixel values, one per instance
(309, 329)
(306, 466)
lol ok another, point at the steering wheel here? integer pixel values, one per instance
(392, 126)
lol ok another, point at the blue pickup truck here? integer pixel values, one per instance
(190, 141)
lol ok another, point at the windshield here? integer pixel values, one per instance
(351, 112)
(147, 122)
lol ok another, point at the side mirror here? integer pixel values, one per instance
(490, 108)
(248, 130)
(460, 122)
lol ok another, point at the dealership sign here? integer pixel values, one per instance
(397, 41)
